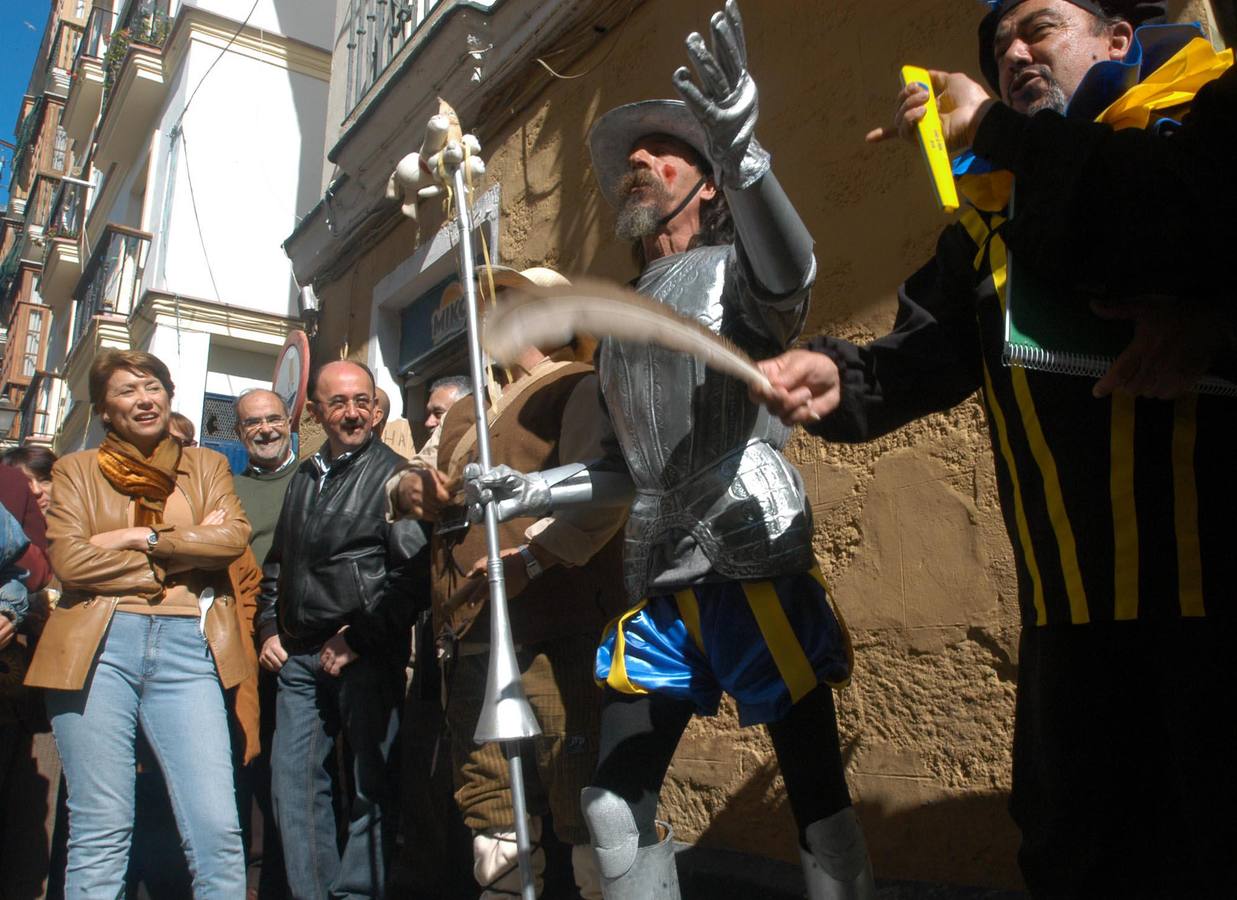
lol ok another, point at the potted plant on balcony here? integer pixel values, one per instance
(115, 55)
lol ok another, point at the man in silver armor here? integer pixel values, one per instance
(718, 559)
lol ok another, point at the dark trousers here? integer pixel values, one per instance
(639, 734)
(313, 711)
(1123, 759)
(253, 796)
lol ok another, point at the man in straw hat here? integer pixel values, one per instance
(563, 577)
(1119, 510)
(718, 560)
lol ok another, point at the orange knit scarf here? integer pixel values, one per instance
(148, 480)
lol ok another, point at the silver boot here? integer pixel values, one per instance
(837, 866)
(628, 871)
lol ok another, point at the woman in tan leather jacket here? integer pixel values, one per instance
(141, 532)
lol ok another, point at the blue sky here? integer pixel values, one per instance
(18, 45)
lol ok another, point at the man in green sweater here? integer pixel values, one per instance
(263, 427)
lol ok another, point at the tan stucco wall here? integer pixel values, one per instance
(907, 528)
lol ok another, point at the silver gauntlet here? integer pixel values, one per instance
(725, 103)
(534, 494)
(514, 493)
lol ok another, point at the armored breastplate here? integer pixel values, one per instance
(715, 499)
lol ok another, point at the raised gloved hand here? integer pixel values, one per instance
(514, 494)
(725, 104)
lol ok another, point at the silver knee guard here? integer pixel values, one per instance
(836, 866)
(628, 871)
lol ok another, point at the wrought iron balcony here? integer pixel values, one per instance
(68, 207)
(42, 409)
(377, 30)
(147, 22)
(62, 261)
(26, 133)
(86, 91)
(112, 277)
(39, 203)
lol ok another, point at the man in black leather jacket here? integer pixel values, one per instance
(340, 587)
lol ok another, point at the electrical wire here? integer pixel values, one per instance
(193, 200)
(211, 67)
(616, 30)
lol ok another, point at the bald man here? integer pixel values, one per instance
(339, 590)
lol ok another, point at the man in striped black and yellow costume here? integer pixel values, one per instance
(1117, 499)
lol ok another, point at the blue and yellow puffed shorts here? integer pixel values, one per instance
(766, 643)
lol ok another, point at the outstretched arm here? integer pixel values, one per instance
(849, 393)
(775, 243)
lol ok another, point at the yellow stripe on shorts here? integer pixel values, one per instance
(617, 678)
(689, 612)
(842, 626)
(787, 653)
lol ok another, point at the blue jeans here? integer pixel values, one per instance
(156, 670)
(313, 709)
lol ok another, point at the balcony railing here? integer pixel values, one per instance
(40, 408)
(377, 30)
(147, 22)
(26, 134)
(12, 260)
(96, 36)
(68, 206)
(112, 277)
(42, 195)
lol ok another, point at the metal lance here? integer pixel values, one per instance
(505, 714)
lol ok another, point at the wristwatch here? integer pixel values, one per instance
(531, 564)
(152, 539)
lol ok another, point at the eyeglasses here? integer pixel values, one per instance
(275, 420)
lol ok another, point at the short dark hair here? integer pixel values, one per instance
(38, 461)
(315, 375)
(107, 363)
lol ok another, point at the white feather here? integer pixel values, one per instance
(551, 316)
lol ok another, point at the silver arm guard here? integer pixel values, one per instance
(774, 238)
(535, 494)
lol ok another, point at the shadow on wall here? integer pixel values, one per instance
(965, 839)
(309, 100)
(812, 121)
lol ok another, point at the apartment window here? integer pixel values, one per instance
(34, 338)
(80, 9)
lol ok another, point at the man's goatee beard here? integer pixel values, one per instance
(640, 217)
(636, 220)
(1053, 98)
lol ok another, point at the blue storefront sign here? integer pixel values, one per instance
(430, 328)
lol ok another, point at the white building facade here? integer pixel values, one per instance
(197, 128)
